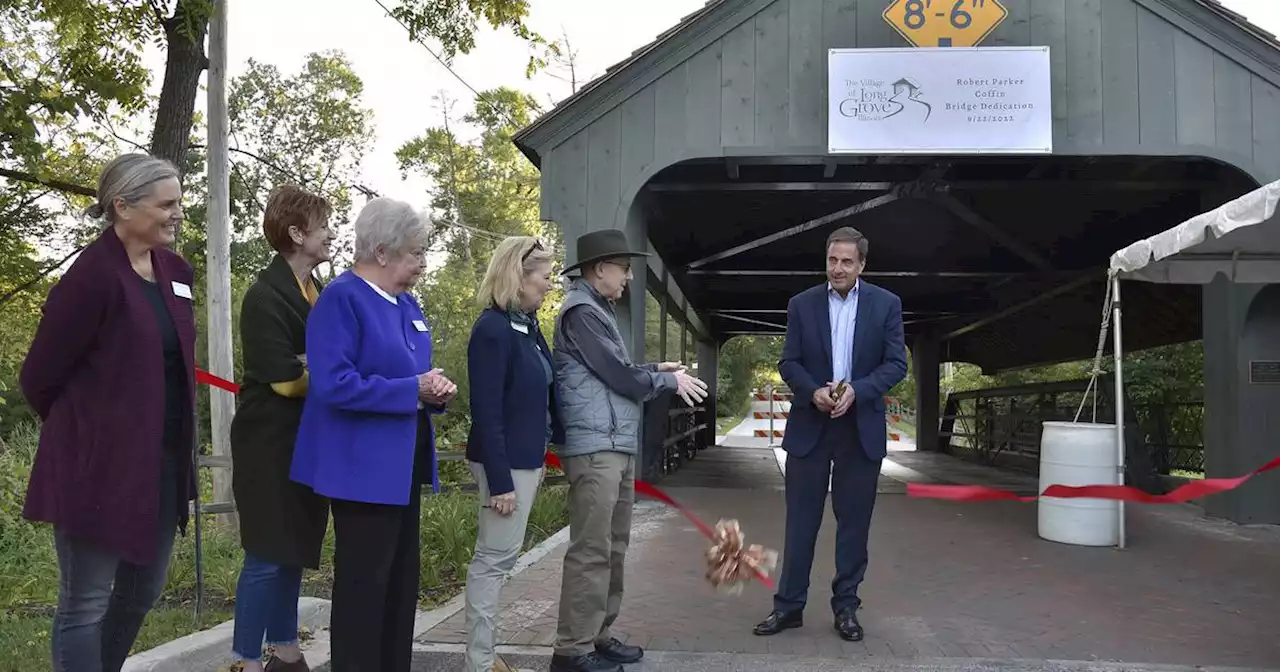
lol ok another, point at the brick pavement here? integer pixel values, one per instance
(945, 580)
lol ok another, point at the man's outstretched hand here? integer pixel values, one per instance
(692, 390)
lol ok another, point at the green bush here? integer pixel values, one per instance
(28, 565)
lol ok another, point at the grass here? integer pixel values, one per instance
(726, 423)
(29, 575)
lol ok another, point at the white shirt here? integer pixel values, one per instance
(381, 292)
(843, 311)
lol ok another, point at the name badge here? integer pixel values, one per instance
(419, 325)
(522, 328)
(182, 290)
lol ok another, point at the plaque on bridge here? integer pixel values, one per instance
(1264, 372)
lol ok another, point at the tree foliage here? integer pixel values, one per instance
(483, 190)
(309, 129)
(454, 23)
(63, 60)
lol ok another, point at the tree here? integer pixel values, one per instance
(61, 60)
(561, 62)
(82, 58)
(484, 190)
(454, 23)
(309, 129)
(746, 363)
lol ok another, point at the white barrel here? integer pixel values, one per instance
(1078, 453)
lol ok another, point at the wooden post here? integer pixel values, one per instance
(663, 298)
(218, 281)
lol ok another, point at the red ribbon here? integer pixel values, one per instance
(645, 488)
(642, 487)
(205, 378)
(1124, 493)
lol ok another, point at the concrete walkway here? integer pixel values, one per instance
(950, 586)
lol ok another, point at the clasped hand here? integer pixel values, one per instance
(435, 388)
(823, 400)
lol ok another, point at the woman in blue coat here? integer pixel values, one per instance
(365, 440)
(513, 417)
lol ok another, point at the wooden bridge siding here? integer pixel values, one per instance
(1125, 81)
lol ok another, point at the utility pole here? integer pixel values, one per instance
(218, 282)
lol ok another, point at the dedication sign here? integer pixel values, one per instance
(988, 100)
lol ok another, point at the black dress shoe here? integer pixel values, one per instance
(583, 662)
(779, 621)
(848, 626)
(612, 649)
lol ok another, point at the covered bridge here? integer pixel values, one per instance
(710, 144)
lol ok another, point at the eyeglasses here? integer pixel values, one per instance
(537, 245)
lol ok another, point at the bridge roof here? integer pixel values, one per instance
(689, 25)
(1003, 258)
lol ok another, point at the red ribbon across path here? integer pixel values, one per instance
(958, 493)
(1123, 493)
(644, 488)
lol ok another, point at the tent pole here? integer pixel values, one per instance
(1119, 401)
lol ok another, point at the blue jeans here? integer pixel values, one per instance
(102, 600)
(266, 607)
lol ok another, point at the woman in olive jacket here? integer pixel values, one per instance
(282, 523)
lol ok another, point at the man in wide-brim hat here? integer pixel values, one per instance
(601, 392)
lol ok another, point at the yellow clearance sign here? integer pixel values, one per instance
(945, 23)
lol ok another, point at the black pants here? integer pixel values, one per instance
(853, 477)
(375, 584)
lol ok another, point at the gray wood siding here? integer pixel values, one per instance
(1126, 80)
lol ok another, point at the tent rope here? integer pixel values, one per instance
(1097, 357)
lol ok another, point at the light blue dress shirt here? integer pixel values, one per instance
(844, 315)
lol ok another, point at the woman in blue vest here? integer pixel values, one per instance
(513, 417)
(365, 440)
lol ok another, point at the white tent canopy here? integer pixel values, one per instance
(1238, 239)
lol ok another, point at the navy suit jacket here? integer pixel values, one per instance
(879, 362)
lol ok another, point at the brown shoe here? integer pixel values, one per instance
(500, 665)
(276, 665)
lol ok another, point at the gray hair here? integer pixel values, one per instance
(390, 224)
(130, 178)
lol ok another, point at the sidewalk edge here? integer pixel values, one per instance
(208, 649)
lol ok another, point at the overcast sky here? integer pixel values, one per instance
(401, 77)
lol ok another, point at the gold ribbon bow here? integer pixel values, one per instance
(731, 563)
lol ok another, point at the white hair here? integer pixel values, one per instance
(390, 224)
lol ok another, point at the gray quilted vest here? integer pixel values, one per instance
(595, 417)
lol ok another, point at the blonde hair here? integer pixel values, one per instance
(516, 257)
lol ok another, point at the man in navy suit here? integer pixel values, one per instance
(843, 351)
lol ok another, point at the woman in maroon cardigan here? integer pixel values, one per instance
(111, 375)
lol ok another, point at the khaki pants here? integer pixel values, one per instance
(498, 542)
(601, 494)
